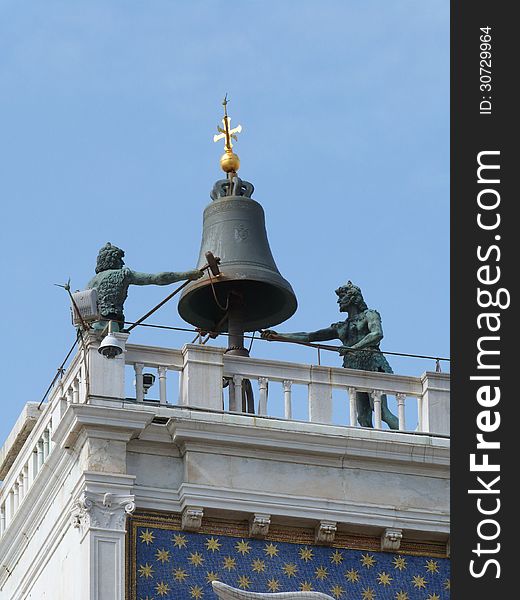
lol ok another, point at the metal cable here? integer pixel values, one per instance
(252, 339)
(309, 344)
(58, 372)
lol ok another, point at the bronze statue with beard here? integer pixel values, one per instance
(113, 279)
(362, 330)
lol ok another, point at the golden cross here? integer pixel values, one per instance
(227, 133)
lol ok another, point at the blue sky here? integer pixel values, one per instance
(107, 113)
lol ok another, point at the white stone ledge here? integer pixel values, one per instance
(366, 459)
(194, 414)
(25, 452)
(202, 415)
(107, 419)
(18, 436)
(306, 509)
(304, 440)
(307, 439)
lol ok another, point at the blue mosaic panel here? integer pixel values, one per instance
(180, 565)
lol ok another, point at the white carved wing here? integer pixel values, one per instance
(226, 592)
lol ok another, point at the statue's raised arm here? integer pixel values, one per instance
(164, 278)
(112, 280)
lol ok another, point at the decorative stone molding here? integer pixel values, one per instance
(391, 539)
(192, 518)
(259, 525)
(325, 532)
(102, 511)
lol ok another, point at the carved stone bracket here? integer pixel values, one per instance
(259, 525)
(325, 532)
(391, 539)
(192, 518)
(101, 511)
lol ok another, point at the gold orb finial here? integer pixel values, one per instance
(229, 161)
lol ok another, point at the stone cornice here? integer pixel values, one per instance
(18, 436)
(303, 510)
(101, 421)
(309, 442)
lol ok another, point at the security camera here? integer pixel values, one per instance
(110, 347)
(148, 381)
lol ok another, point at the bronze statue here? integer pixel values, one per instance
(362, 330)
(112, 280)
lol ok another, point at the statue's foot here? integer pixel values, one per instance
(391, 420)
(365, 421)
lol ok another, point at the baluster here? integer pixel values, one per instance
(235, 399)
(9, 508)
(139, 389)
(231, 392)
(376, 396)
(161, 371)
(400, 410)
(70, 398)
(27, 483)
(287, 383)
(39, 450)
(262, 400)
(33, 465)
(2, 520)
(16, 496)
(419, 413)
(46, 446)
(21, 487)
(83, 384)
(352, 406)
(75, 391)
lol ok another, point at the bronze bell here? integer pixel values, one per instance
(249, 294)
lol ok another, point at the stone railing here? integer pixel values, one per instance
(161, 361)
(206, 371)
(37, 448)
